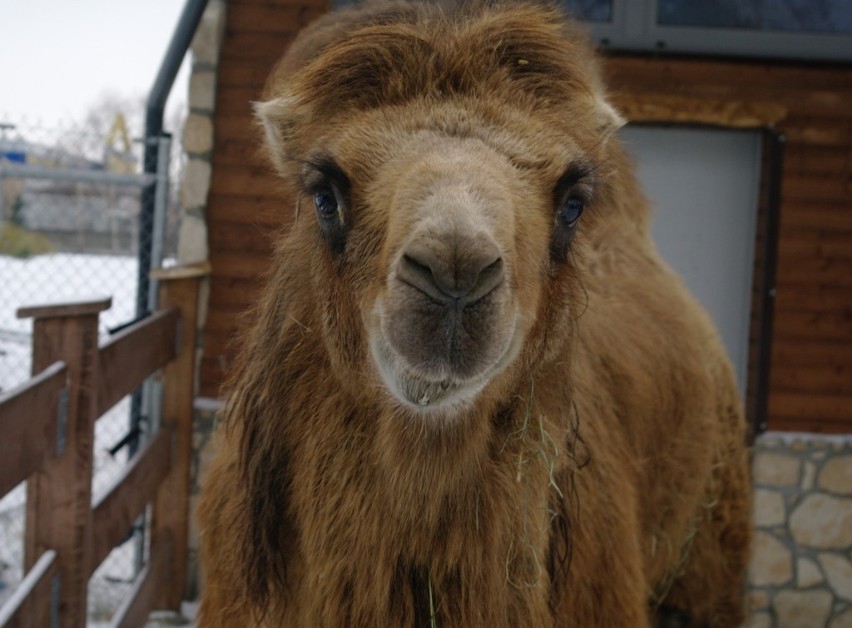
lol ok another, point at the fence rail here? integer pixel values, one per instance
(29, 421)
(47, 431)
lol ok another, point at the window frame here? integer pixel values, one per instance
(634, 28)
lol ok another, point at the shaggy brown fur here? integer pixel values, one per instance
(457, 404)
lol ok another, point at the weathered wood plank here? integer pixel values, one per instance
(260, 18)
(155, 576)
(808, 159)
(240, 179)
(59, 494)
(265, 48)
(813, 352)
(815, 215)
(754, 77)
(251, 207)
(224, 320)
(235, 292)
(834, 380)
(240, 238)
(170, 514)
(65, 308)
(240, 265)
(815, 406)
(826, 271)
(133, 354)
(821, 188)
(28, 423)
(135, 487)
(235, 152)
(812, 298)
(807, 424)
(815, 244)
(30, 604)
(212, 373)
(814, 326)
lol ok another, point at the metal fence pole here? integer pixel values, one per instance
(161, 203)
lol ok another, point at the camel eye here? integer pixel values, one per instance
(570, 211)
(326, 203)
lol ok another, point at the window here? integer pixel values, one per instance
(793, 29)
(590, 10)
(794, 16)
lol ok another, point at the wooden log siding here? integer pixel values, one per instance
(811, 369)
(65, 537)
(809, 103)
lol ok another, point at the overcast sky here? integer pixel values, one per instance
(58, 57)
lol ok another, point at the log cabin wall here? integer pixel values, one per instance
(811, 104)
(811, 365)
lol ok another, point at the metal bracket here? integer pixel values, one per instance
(61, 421)
(54, 601)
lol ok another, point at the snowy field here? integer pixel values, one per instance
(53, 279)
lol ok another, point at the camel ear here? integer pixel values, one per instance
(277, 117)
(609, 120)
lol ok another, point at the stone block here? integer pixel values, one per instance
(208, 37)
(198, 134)
(808, 574)
(776, 469)
(768, 440)
(838, 572)
(771, 562)
(192, 240)
(759, 620)
(844, 620)
(808, 476)
(769, 508)
(836, 475)
(195, 184)
(758, 599)
(202, 90)
(802, 609)
(823, 522)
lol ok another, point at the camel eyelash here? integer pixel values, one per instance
(577, 180)
(321, 171)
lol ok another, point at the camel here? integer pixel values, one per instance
(471, 392)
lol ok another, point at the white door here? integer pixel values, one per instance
(705, 184)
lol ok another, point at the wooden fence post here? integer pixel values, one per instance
(179, 287)
(59, 496)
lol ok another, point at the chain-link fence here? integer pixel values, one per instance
(70, 203)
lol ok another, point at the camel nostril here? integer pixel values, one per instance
(487, 280)
(416, 272)
(465, 273)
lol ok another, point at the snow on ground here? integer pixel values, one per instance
(53, 279)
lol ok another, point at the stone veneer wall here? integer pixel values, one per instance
(192, 236)
(198, 135)
(801, 572)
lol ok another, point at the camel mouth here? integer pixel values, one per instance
(424, 393)
(445, 390)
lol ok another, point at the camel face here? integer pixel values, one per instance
(447, 318)
(450, 216)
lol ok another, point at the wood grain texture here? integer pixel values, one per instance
(135, 610)
(133, 488)
(131, 355)
(28, 423)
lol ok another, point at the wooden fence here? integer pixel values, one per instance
(47, 435)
